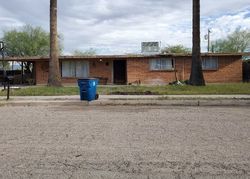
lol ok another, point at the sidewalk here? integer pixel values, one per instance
(164, 100)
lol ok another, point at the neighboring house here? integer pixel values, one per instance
(138, 69)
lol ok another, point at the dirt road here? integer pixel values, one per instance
(124, 142)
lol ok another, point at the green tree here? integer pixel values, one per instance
(54, 70)
(238, 41)
(176, 49)
(89, 52)
(27, 41)
(196, 76)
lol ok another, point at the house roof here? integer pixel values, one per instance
(111, 57)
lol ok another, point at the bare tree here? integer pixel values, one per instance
(196, 76)
(54, 71)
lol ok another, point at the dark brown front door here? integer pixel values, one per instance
(120, 71)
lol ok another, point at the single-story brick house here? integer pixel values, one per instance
(143, 69)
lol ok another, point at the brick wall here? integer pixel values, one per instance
(103, 68)
(42, 72)
(97, 68)
(138, 69)
(229, 70)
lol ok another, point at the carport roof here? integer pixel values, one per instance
(112, 57)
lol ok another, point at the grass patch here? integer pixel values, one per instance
(42, 91)
(235, 88)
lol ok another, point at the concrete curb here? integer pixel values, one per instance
(129, 100)
(178, 102)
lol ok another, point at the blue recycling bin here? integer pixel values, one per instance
(87, 87)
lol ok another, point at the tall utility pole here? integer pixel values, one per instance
(207, 37)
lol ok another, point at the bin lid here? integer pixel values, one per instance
(87, 78)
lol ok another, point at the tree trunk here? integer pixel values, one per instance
(54, 71)
(196, 76)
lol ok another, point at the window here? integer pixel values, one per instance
(210, 63)
(75, 69)
(162, 64)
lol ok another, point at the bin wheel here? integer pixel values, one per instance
(96, 96)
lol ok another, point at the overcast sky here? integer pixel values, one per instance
(119, 26)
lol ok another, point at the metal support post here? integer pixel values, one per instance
(8, 90)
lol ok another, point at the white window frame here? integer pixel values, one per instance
(205, 63)
(73, 73)
(161, 64)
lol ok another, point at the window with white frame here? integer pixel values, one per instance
(161, 64)
(75, 69)
(210, 63)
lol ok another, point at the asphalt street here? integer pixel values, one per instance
(79, 141)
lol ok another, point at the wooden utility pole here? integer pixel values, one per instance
(208, 40)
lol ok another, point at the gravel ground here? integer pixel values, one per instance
(130, 142)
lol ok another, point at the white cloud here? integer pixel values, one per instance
(119, 26)
(225, 24)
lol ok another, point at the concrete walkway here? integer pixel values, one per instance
(169, 100)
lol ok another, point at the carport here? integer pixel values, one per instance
(24, 74)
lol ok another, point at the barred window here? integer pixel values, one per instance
(162, 64)
(210, 63)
